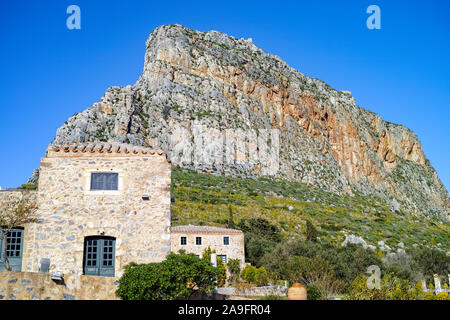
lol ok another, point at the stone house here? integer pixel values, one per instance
(227, 243)
(102, 206)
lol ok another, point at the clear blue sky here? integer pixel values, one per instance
(49, 72)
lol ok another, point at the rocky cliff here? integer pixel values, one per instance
(219, 104)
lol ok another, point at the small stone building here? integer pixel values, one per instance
(102, 206)
(227, 243)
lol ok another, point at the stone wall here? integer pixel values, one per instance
(39, 286)
(254, 291)
(69, 211)
(10, 194)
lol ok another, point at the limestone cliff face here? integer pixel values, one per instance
(220, 104)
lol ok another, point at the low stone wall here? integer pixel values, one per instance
(254, 291)
(40, 286)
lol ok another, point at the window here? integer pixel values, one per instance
(223, 258)
(14, 241)
(226, 240)
(183, 241)
(198, 241)
(104, 180)
(99, 256)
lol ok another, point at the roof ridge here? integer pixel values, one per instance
(103, 147)
(195, 228)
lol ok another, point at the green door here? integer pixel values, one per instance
(99, 256)
(14, 249)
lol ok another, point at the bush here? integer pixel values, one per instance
(429, 261)
(260, 227)
(173, 278)
(311, 231)
(249, 273)
(391, 288)
(346, 262)
(256, 247)
(221, 273)
(314, 272)
(313, 292)
(261, 277)
(255, 275)
(261, 237)
(221, 268)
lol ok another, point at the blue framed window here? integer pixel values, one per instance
(99, 256)
(183, 241)
(222, 257)
(226, 240)
(14, 249)
(198, 241)
(104, 181)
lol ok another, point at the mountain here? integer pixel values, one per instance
(221, 105)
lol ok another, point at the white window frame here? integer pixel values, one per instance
(87, 182)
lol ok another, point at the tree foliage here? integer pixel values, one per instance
(261, 237)
(174, 278)
(311, 231)
(234, 269)
(255, 275)
(221, 267)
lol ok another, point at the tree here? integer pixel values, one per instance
(230, 223)
(261, 277)
(222, 269)
(255, 275)
(249, 273)
(315, 272)
(177, 277)
(261, 237)
(14, 212)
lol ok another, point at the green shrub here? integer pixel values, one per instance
(258, 276)
(313, 292)
(261, 277)
(249, 273)
(391, 288)
(429, 261)
(173, 278)
(346, 262)
(221, 268)
(256, 247)
(221, 273)
(311, 231)
(234, 268)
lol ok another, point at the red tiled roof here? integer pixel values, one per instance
(102, 147)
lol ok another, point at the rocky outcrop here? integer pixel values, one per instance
(220, 104)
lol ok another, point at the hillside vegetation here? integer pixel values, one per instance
(206, 199)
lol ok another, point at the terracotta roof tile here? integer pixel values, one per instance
(102, 147)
